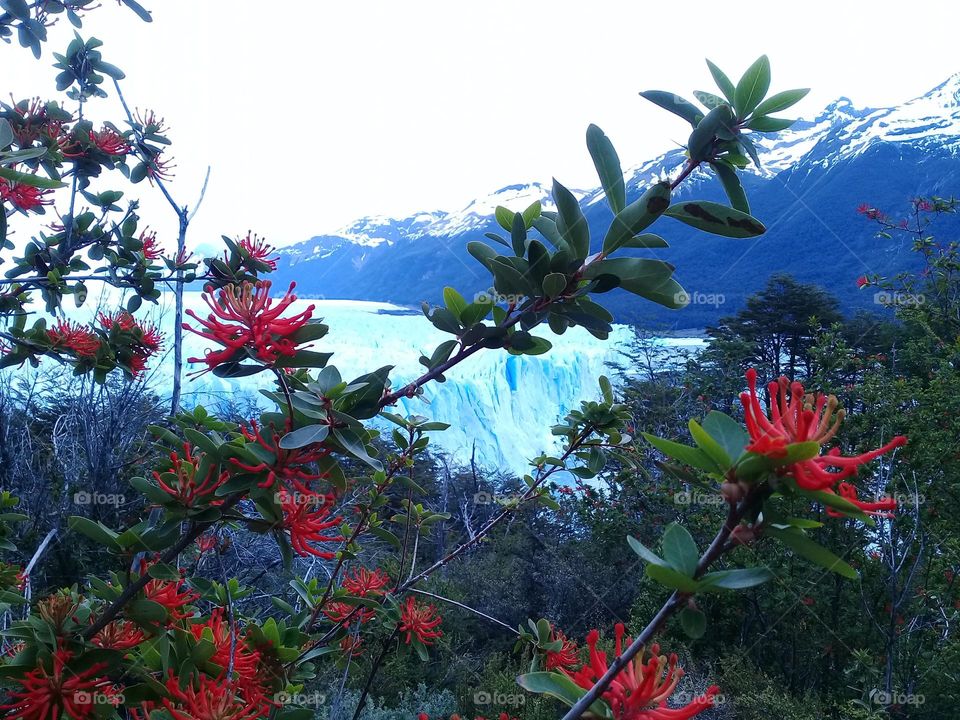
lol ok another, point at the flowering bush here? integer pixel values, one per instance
(151, 640)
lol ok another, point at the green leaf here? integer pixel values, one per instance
(716, 218)
(30, 179)
(143, 13)
(6, 133)
(454, 302)
(554, 284)
(301, 437)
(570, 221)
(504, 217)
(675, 104)
(693, 622)
(562, 688)
(644, 552)
(637, 217)
(694, 457)
(680, 549)
(646, 240)
(769, 124)
(738, 579)
(807, 548)
(722, 81)
(752, 87)
(97, 532)
(607, 163)
(711, 447)
(718, 121)
(727, 432)
(353, 444)
(670, 578)
(732, 186)
(781, 101)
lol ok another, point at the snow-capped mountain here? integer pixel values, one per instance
(806, 190)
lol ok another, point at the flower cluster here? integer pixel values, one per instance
(419, 621)
(364, 583)
(119, 635)
(287, 465)
(58, 691)
(566, 657)
(185, 482)
(75, 338)
(245, 318)
(136, 342)
(641, 690)
(232, 646)
(22, 196)
(258, 249)
(797, 417)
(307, 518)
(173, 595)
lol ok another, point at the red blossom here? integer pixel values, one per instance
(863, 281)
(564, 658)
(119, 635)
(641, 690)
(145, 340)
(881, 508)
(288, 465)
(420, 621)
(244, 317)
(364, 583)
(109, 141)
(59, 692)
(22, 196)
(211, 700)
(796, 417)
(151, 249)
(352, 645)
(207, 542)
(184, 483)
(306, 516)
(245, 660)
(172, 594)
(342, 613)
(258, 249)
(80, 340)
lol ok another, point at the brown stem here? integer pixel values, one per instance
(676, 600)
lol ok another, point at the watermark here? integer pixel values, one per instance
(82, 697)
(698, 298)
(685, 497)
(484, 697)
(490, 295)
(882, 697)
(314, 699)
(685, 697)
(903, 499)
(82, 497)
(286, 497)
(905, 299)
(485, 498)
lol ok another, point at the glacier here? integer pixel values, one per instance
(500, 406)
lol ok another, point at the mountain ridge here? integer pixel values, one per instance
(814, 174)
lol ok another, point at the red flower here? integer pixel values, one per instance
(306, 516)
(420, 621)
(881, 508)
(60, 693)
(151, 249)
(246, 661)
(246, 318)
(258, 249)
(172, 594)
(142, 341)
(288, 465)
(352, 645)
(109, 141)
(207, 542)
(564, 658)
(796, 417)
(343, 614)
(23, 197)
(82, 341)
(870, 212)
(212, 700)
(119, 635)
(863, 281)
(182, 483)
(641, 690)
(364, 583)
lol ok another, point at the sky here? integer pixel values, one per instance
(312, 114)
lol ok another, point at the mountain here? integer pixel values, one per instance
(809, 184)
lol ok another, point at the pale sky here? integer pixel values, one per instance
(312, 114)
